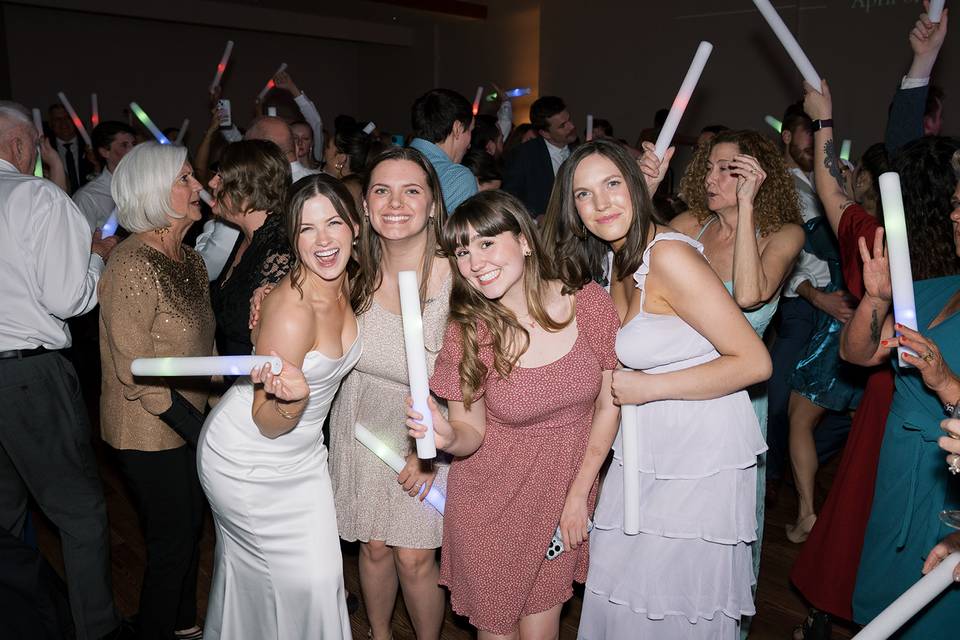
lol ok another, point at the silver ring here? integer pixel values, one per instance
(955, 464)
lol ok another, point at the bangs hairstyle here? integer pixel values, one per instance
(142, 183)
(307, 188)
(255, 176)
(488, 214)
(577, 255)
(775, 204)
(370, 246)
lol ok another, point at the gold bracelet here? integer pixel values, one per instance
(285, 414)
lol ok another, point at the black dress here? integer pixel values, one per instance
(266, 261)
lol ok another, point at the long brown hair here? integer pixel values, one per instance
(370, 245)
(579, 256)
(777, 202)
(305, 189)
(490, 213)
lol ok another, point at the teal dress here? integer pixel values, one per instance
(913, 484)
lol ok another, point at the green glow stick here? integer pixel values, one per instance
(148, 123)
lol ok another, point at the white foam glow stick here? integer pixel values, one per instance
(109, 227)
(94, 110)
(476, 101)
(369, 128)
(38, 123)
(221, 66)
(393, 460)
(913, 599)
(203, 366)
(589, 127)
(631, 469)
(683, 97)
(206, 197)
(845, 148)
(148, 123)
(416, 358)
(270, 83)
(789, 43)
(182, 132)
(936, 10)
(77, 122)
(272, 112)
(898, 253)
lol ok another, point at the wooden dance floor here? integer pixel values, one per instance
(779, 608)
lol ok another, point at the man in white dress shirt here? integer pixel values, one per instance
(111, 141)
(50, 273)
(216, 242)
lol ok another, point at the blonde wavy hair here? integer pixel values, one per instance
(776, 203)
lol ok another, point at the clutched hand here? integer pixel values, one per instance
(415, 479)
(443, 432)
(290, 385)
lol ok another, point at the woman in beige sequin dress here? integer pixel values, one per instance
(154, 302)
(399, 533)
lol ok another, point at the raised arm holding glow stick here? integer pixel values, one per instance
(203, 366)
(77, 122)
(182, 132)
(221, 66)
(683, 98)
(396, 462)
(936, 10)
(416, 359)
(476, 101)
(913, 599)
(898, 254)
(271, 83)
(589, 133)
(789, 43)
(94, 110)
(148, 123)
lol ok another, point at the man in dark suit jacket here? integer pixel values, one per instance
(71, 147)
(529, 169)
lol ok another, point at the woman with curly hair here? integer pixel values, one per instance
(744, 210)
(526, 370)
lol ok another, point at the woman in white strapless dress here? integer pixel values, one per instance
(278, 571)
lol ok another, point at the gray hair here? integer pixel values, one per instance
(13, 115)
(141, 186)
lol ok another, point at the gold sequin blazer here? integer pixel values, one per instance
(150, 306)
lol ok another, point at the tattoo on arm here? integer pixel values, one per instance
(874, 326)
(831, 164)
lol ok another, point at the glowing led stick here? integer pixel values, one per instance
(204, 366)
(898, 253)
(94, 110)
(182, 132)
(416, 358)
(38, 123)
(369, 128)
(773, 122)
(789, 43)
(393, 460)
(206, 197)
(683, 97)
(222, 66)
(845, 150)
(148, 123)
(630, 450)
(270, 83)
(109, 227)
(476, 101)
(516, 93)
(936, 9)
(913, 599)
(589, 127)
(77, 122)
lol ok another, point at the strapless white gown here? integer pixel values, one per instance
(278, 573)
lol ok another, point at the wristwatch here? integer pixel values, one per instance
(820, 124)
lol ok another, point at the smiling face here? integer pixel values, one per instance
(398, 201)
(602, 198)
(324, 239)
(185, 194)
(493, 265)
(721, 184)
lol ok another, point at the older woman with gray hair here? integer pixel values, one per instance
(154, 302)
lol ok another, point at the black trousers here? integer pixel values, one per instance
(169, 503)
(45, 450)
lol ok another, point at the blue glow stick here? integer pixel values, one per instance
(109, 227)
(148, 123)
(516, 93)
